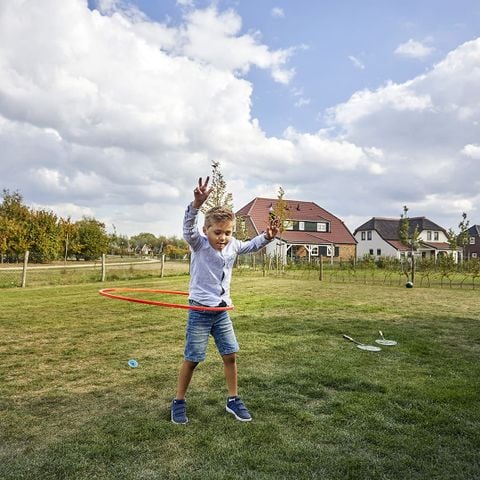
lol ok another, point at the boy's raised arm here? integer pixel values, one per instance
(201, 193)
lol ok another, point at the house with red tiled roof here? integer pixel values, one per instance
(309, 230)
(380, 237)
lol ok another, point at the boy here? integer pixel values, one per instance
(213, 256)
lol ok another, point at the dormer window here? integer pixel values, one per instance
(297, 226)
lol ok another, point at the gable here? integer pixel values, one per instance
(257, 211)
(389, 228)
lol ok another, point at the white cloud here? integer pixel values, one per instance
(472, 150)
(277, 12)
(115, 115)
(301, 99)
(186, 3)
(356, 62)
(414, 49)
(427, 130)
(215, 38)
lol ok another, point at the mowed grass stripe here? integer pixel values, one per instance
(71, 408)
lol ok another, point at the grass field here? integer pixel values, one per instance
(71, 408)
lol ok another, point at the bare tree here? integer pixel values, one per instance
(410, 238)
(219, 196)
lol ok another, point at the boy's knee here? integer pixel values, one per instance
(229, 359)
(191, 365)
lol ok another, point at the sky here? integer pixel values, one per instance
(112, 109)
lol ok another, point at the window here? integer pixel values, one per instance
(472, 240)
(435, 236)
(379, 251)
(429, 235)
(369, 235)
(363, 235)
(314, 251)
(326, 251)
(371, 251)
(295, 225)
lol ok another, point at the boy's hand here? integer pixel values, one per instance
(201, 193)
(273, 228)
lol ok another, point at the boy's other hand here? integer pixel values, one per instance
(273, 228)
(201, 193)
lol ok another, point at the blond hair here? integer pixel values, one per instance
(218, 214)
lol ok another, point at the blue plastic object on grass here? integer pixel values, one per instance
(133, 363)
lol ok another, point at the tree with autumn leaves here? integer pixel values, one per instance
(46, 236)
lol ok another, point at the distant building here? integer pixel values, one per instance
(309, 230)
(381, 237)
(472, 248)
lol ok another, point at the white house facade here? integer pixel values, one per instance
(380, 237)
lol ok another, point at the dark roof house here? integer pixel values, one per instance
(381, 237)
(472, 248)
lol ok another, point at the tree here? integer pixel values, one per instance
(145, 238)
(68, 237)
(92, 238)
(241, 232)
(16, 220)
(279, 211)
(7, 228)
(45, 238)
(463, 237)
(219, 197)
(409, 238)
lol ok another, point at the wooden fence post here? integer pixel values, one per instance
(24, 273)
(162, 265)
(104, 272)
(320, 267)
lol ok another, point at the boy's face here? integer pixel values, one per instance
(219, 234)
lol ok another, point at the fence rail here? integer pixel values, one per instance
(465, 276)
(109, 269)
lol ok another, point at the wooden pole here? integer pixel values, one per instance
(24, 273)
(320, 267)
(162, 265)
(104, 272)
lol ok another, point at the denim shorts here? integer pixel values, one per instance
(202, 324)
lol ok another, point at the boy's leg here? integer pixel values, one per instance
(184, 378)
(235, 406)
(178, 411)
(230, 369)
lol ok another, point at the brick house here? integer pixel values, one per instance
(309, 230)
(472, 248)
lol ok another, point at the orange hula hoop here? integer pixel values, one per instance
(111, 293)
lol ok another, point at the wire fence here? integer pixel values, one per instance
(110, 269)
(446, 275)
(383, 271)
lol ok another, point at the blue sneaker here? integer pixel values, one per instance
(236, 407)
(179, 412)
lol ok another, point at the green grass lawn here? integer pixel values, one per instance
(71, 407)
